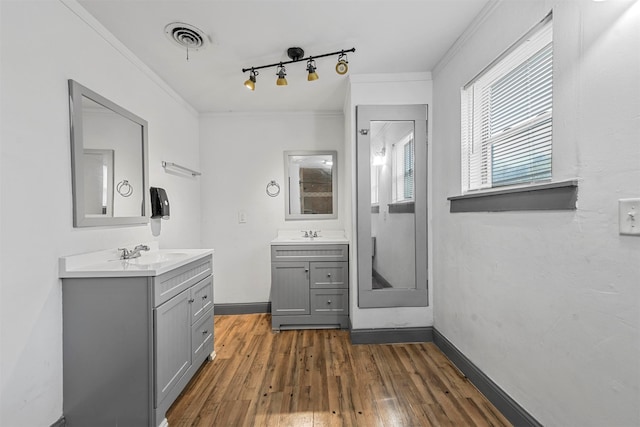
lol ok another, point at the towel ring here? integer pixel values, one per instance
(273, 189)
(124, 188)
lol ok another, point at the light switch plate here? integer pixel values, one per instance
(629, 216)
(242, 217)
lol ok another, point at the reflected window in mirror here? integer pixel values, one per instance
(311, 190)
(108, 148)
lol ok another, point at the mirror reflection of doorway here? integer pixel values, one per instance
(392, 208)
(392, 205)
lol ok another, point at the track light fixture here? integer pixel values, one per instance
(251, 82)
(341, 66)
(281, 76)
(297, 55)
(311, 68)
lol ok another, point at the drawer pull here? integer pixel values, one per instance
(191, 301)
(205, 332)
(328, 274)
(328, 302)
(204, 297)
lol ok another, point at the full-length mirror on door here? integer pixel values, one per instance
(392, 208)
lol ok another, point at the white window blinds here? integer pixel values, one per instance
(506, 116)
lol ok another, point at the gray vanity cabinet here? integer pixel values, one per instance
(131, 344)
(309, 286)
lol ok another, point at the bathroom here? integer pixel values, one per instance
(546, 303)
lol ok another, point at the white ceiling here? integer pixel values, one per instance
(390, 36)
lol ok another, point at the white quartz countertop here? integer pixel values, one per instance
(107, 263)
(296, 237)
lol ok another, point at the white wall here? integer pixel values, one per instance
(43, 44)
(547, 303)
(241, 154)
(383, 89)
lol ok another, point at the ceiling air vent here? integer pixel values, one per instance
(186, 36)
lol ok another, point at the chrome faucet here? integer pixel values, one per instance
(135, 253)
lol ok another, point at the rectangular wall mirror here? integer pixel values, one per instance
(392, 205)
(109, 161)
(311, 185)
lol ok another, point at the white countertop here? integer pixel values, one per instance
(107, 263)
(296, 237)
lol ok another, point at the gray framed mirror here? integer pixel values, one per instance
(391, 156)
(109, 161)
(311, 185)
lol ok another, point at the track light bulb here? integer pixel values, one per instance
(251, 82)
(282, 81)
(341, 66)
(311, 68)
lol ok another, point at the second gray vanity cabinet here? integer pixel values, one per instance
(131, 344)
(309, 286)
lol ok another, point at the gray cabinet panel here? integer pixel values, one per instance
(201, 299)
(173, 343)
(173, 282)
(290, 288)
(329, 274)
(307, 252)
(202, 337)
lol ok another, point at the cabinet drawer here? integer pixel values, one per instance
(329, 275)
(329, 302)
(309, 252)
(201, 298)
(202, 338)
(170, 284)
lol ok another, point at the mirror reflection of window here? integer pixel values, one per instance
(403, 170)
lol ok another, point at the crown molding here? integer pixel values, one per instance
(103, 32)
(469, 32)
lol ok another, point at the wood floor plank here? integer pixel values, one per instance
(317, 378)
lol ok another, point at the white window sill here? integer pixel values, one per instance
(549, 196)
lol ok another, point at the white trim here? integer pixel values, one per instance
(327, 113)
(390, 77)
(164, 422)
(103, 32)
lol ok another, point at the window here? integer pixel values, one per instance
(507, 116)
(403, 164)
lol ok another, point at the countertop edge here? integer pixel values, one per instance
(88, 272)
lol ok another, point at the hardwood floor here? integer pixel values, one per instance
(318, 378)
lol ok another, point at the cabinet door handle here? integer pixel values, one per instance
(328, 274)
(328, 302)
(205, 332)
(204, 297)
(191, 301)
